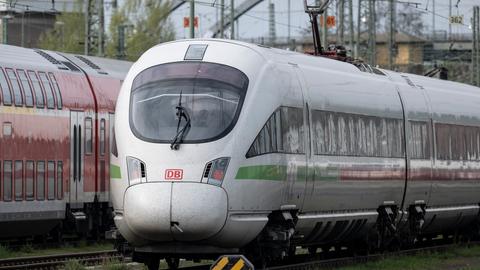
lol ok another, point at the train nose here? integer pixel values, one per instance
(167, 211)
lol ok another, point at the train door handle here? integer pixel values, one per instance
(79, 153)
(74, 153)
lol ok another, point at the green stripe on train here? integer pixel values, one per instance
(115, 172)
(279, 173)
(263, 172)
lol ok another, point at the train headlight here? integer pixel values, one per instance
(215, 171)
(136, 171)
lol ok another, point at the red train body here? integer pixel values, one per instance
(56, 117)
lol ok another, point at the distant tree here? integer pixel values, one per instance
(147, 23)
(68, 32)
(410, 20)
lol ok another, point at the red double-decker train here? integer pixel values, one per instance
(56, 117)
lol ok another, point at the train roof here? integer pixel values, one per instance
(56, 61)
(285, 56)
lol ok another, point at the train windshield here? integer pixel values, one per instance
(211, 94)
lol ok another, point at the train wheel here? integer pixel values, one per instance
(173, 263)
(152, 263)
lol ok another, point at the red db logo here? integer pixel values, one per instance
(173, 174)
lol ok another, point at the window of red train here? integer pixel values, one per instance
(102, 137)
(7, 95)
(59, 180)
(51, 180)
(29, 184)
(57, 90)
(39, 96)
(88, 135)
(40, 180)
(48, 90)
(27, 88)
(18, 180)
(17, 91)
(7, 180)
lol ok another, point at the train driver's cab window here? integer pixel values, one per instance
(17, 92)
(48, 90)
(39, 96)
(282, 133)
(6, 94)
(27, 89)
(209, 95)
(88, 136)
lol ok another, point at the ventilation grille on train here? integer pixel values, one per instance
(206, 173)
(71, 66)
(52, 60)
(91, 64)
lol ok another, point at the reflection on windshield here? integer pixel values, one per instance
(211, 96)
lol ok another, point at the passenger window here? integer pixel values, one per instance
(7, 180)
(27, 89)
(88, 136)
(17, 91)
(51, 180)
(102, 137)
(293, 130)
(18, 180)
(41, 180)
(29, 175)
(59, 180)
(39, 96)
(272, 144)
(57, 91)
(7, 95)
(420, 143)
(48, 90)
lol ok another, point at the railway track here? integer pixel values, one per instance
(308, 262)
(351, 260)
(58, 261)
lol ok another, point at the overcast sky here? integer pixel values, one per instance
(255, 22)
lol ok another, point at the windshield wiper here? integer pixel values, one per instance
(181, 133)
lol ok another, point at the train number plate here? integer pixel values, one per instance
(173, 174)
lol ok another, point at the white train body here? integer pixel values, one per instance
(317, 141)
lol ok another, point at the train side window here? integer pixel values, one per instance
(57, 91)
(40, 180)
(7, 180)
(39, 96)
(17, 91)
(51, 180)
(59, 180)
(420, 140)
(88, 136)
(102, 137)
(293, 130)
(18, 180)
(29, 183)
(269, 139)
(27, 89)
(48, 90)
(7, 95)
(113, 147)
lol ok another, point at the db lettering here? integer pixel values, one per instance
(173, 174)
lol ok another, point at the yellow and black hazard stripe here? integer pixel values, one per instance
(232, 262)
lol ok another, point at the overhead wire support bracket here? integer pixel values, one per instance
(313, 11)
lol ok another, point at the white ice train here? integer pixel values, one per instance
(224, 146)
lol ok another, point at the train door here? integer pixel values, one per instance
(293, 115)
(309, 168)
(76, 157)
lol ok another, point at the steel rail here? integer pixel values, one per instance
(57, 261)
